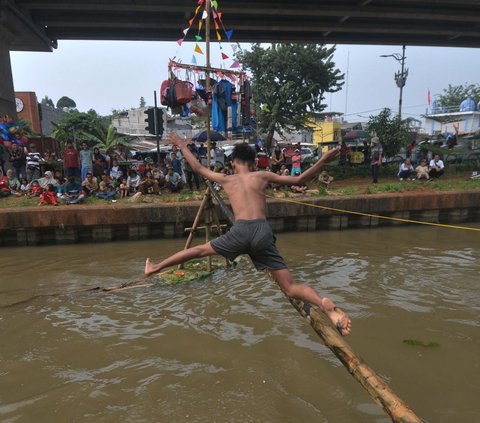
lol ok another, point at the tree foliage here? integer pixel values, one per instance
(455, 94)
(289, 82)
(119, 113)
(73, 126)
(66, 102)
(47, 101)
(393, 132)
(106, 139)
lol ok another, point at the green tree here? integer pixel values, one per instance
(142, 102)
(393, 132)
(455, 94)
(66, 102)
(119, 113)
(289, 82)
(73, 126)
(47, 101)
(107, 138)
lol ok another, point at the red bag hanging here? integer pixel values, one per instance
(164, 89)
(183, 92)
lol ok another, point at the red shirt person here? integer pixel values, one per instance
(71, 160)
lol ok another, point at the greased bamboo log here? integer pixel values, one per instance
(380, 392)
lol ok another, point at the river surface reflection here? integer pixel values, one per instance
(230, 348)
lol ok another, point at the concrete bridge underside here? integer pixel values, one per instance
(37, 25)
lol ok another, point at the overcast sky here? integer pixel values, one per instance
(114, 75)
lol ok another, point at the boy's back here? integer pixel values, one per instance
(246, 191)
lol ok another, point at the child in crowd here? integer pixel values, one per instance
(49, 196)
(325, 179)
(4, 185)
(422, 170)
(35, 189)
(296, 163)
(284, 171)
(124, 188)
(24, 187)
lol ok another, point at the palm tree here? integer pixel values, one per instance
(107, 139)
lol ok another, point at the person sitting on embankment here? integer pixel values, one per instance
(251, 234)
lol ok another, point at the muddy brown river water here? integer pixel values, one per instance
(230, 348)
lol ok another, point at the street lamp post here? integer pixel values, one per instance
(401, 76)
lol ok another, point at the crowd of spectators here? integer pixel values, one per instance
(82, 173)
(433, 170)
(89, 173)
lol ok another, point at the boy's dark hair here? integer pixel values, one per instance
(244, 154)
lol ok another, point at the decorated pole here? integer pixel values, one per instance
(208, 218)
(207, 78)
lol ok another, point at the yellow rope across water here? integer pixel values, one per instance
(398, 219)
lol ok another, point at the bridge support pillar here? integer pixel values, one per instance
(7, 92)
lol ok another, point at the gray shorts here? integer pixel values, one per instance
(252, 237)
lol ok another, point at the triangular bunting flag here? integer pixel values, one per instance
(198, 49)
(200, 24)
(234, 48)
(217, 26)
(180, 41)
(219, 37)
(224, 56)
(220, 15)
(229, 34)
(190, 22)
(200, 2)
(215, 4)
(204, 14)
(185, 31)
(198, 37)
(235, 64)
(194, 60)
(220, 74)
(214, 14)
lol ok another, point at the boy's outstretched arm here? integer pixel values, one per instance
(329, 156)
(196, 166)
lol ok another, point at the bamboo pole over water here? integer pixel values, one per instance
(378, 390)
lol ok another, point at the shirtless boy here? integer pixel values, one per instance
(251, 234)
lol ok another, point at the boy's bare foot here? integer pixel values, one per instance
(149, 268)
(337, 316)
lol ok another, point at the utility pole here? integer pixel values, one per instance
(400, 77)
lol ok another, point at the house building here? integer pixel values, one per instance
(465, 118)
(132, 122)
(326, 128)
(39, 117)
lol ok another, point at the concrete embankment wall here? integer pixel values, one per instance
(112, 222)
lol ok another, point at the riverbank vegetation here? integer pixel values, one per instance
(347, 182)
